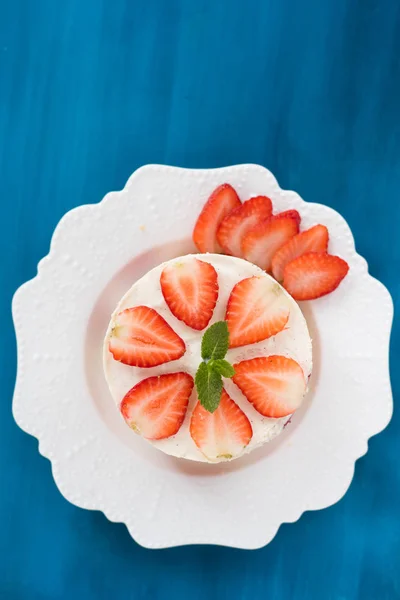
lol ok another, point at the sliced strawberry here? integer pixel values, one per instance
(274, 385)
(190, 289)
(257, 309)
(261, 243)
(142, 338)
(292, 213)
(313, 240)
(223, 433)
(156, 407)
(221, 202)
(313, 275)
(235, 226)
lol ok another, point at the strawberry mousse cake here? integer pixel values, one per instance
(207, 356)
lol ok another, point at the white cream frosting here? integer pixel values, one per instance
(294, 342)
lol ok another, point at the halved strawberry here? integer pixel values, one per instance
(275, 385)
(292, 213)
(257, 309)
(223, 433)
(221, 202)
(313, 240)
(235, 226)
(261, 242)
(142, 338)
(156, 407)
(190, 289)
(314, 275)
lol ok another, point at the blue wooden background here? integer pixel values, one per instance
(92, 89)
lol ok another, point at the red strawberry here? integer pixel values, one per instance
(223, 433)
(313, 275)
(257, 309)
(235, 226)
(156, 407)
(142, 338)
(221, 202)
(292, 213)
(313, 240)
(261, 243)
(274, 385)
(190, 289)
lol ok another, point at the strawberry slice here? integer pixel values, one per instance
(313, 275)
(261, 243)
(190, 289)
(142, 338)
(235, 226)
(223, 433)
(221, 202)
(274, 385)
(257, 309)
(292, 213)
(313, 240)
(156, 407)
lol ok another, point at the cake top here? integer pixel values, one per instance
(153, 356)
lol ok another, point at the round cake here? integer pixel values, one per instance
(155, 348)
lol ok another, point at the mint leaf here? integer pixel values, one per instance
(215, 342)
(209, 387)
(222, 367)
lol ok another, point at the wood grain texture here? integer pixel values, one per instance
(92, 89)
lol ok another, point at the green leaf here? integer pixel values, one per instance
(222, 367)
(209, 387)
(215, 342)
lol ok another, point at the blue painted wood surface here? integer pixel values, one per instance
(92, 89)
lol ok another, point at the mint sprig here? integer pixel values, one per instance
(208, 380)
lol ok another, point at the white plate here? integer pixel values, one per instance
(61, 397)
